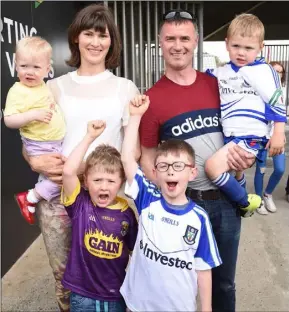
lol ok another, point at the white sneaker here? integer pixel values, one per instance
(262, 210)
(269, 203)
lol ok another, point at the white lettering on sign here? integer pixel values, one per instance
(11, 63)
(11, 32)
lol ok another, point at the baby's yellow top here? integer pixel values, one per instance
(21, 99)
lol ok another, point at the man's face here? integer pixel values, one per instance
(178, 42)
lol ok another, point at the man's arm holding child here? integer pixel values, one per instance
(74, 161)
(205, 289)
(137, 108)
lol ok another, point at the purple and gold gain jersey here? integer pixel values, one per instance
(101, 241)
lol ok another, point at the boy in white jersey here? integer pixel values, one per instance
(175, 248)
(30, 107)
(251, 97)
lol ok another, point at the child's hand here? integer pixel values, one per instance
(276, 144)
(95, 128)
(139, 105)
(42, 115)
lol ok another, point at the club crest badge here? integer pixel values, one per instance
(124, 228)
(190, 235)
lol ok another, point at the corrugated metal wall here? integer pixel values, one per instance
(138, 22)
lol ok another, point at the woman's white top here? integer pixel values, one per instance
(85, 98)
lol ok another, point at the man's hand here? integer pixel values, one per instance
(95, 128)
(139, 105)
(276, 144)
(42, 115)
(239, 159)
(50, 165)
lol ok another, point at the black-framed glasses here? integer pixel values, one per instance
(178, 14)
(177, 166)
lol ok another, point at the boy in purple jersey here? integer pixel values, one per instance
(104, 227)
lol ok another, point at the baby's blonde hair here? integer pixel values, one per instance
(246, 25)
(34, 45)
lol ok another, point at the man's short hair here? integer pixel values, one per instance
(246, 25)
(178, 19)
(106, 158)
(175, 147)
(34, 45)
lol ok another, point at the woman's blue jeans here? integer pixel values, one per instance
(279, 163)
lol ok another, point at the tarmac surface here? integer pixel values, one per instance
(262, 279)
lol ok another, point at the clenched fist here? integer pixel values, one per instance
(95, 128)
(139, 105)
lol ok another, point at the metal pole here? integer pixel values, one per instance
(201, 35)
(115, 20)
(149, 69)
(156, 41)
(141, 54)
(124, 31)
(132, 41)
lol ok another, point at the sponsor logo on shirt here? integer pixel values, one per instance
(195, 124)
(190, 235)
(103, 246)
(108, 218)
(164, 260)
(242, 88)
(170, 221)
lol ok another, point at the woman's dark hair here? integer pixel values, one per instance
(273, 63)
(97, 17)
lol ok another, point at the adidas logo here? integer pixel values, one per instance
(196, 124)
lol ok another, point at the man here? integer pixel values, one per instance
(185, 105)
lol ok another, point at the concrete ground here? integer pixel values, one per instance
(262, 273)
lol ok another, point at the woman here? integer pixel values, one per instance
(88, 93)
(279, 162)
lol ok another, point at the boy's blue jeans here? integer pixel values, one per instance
(79, 303)
(226, 223)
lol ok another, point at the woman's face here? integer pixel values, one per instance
(279, 70)
(93, 47)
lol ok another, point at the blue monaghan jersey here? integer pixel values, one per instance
(251, 97)
(171, 245)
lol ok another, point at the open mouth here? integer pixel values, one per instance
(103, 197)
(172, 185)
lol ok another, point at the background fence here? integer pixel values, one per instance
(138, 22)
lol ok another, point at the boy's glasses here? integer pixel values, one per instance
(178, 14)
(177, 166)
